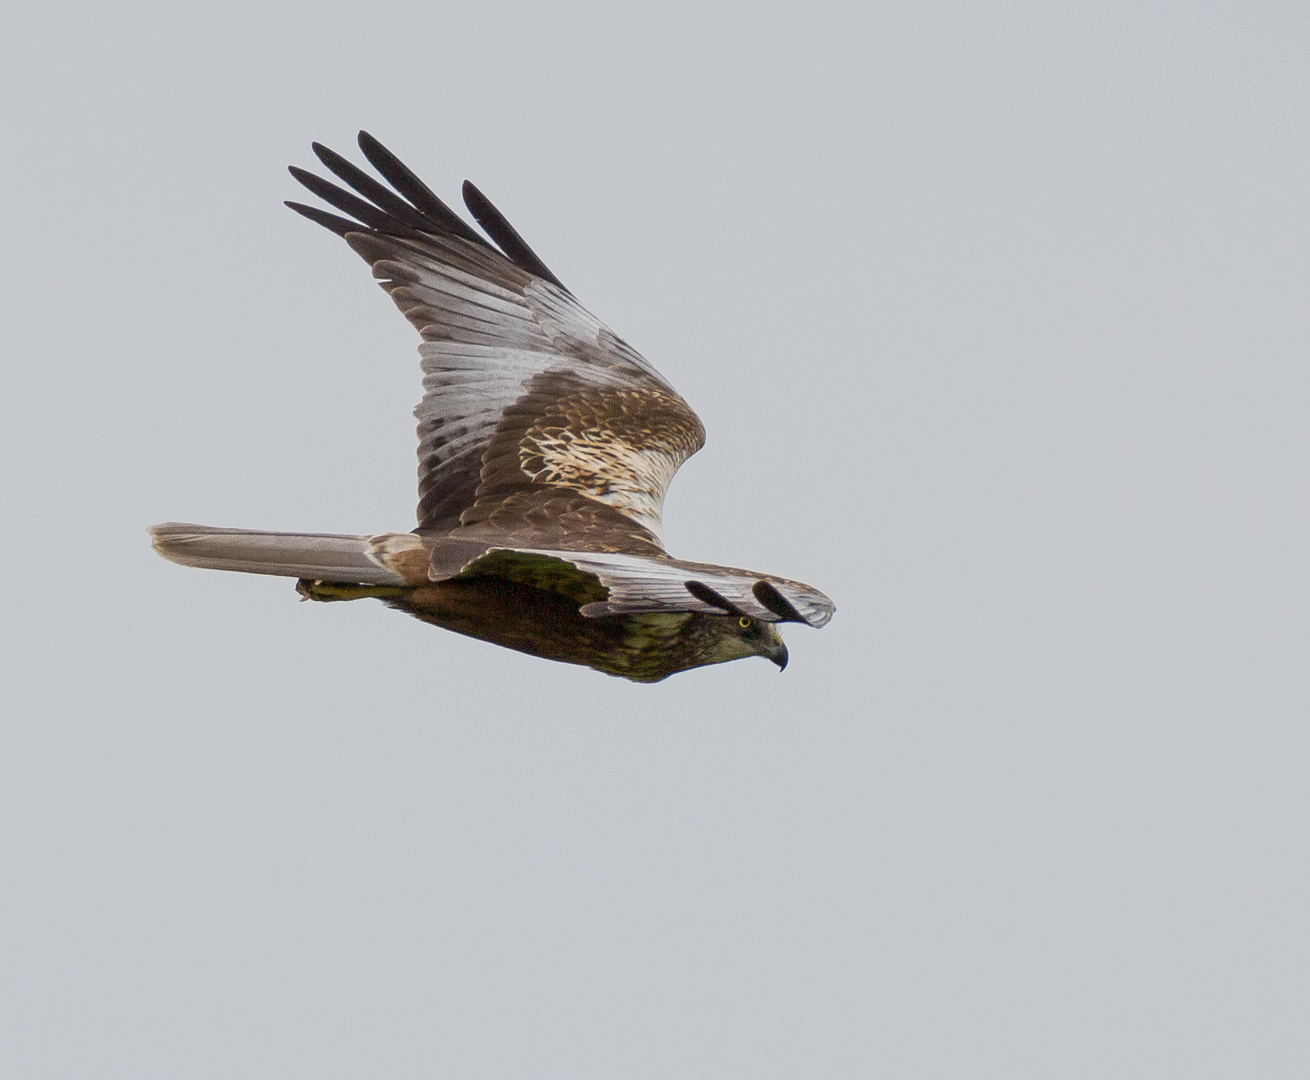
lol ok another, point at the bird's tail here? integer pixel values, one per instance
(370, 560)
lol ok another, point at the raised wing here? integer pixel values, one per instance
(539, 427)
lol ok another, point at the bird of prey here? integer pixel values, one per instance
(546, 444)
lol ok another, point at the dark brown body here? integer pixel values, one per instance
(644, 648)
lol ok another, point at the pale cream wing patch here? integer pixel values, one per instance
(620, 447)
(584, 466)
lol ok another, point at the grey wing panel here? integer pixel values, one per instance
(643, 584)
(467, 389)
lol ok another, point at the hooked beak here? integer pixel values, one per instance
(779, 656)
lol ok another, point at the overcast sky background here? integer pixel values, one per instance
(997, 318)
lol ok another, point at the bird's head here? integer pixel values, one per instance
(732, 637)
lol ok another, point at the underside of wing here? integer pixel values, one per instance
(538, 426)
(606, 583)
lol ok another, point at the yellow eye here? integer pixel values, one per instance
(744, 621)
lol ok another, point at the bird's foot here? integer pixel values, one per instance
(326, 591)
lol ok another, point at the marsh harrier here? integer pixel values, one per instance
(546, 444)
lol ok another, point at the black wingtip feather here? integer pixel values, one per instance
(364, 212)
(400, 177)
(706, 595)
(772, 599)
(376, 193)
(383, 211)
(505, 235)
(339, 225)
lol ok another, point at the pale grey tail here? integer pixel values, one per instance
(317, 556)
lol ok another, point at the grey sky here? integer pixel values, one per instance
(997, 320)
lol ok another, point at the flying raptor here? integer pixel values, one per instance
(546, 444)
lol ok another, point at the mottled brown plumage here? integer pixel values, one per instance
(546, 444)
